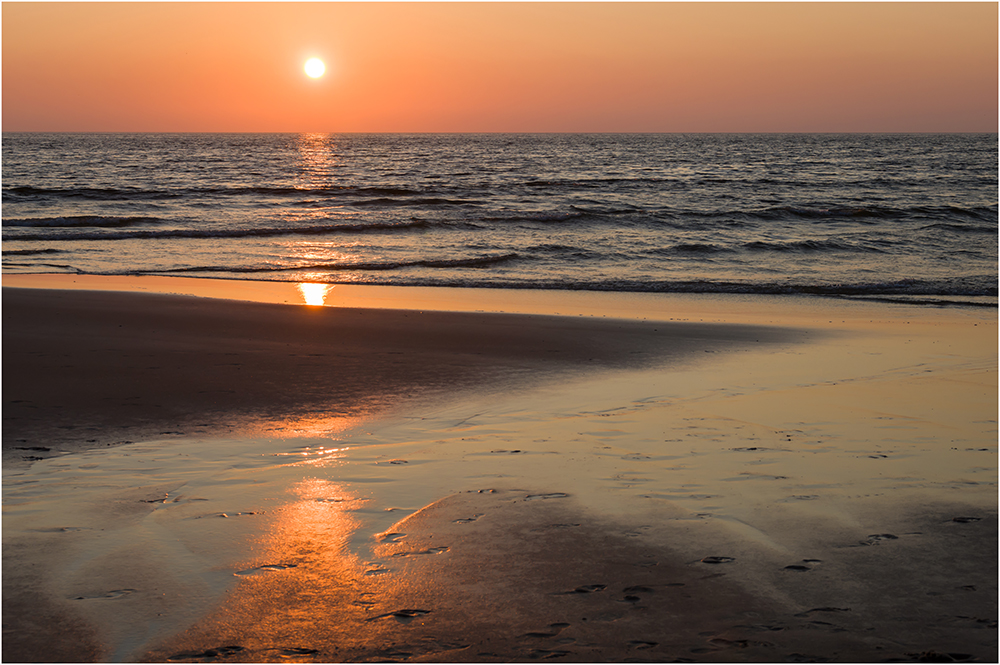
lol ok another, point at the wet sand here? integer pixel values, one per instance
(750, 481)
(105, 368)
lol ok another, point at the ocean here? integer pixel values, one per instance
(897, 217)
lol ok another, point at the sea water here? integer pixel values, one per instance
(883, 216)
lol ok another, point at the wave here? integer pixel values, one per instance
(119, 194)
(79, 221)
(63, 266)
(468, 262)
(597, 183)
(859, 213)
(698, 248)
(959, 228)
(267, 232)
(87, 193)
(413, 202)
(809, 246)
(31, 252)
(541, 217)
(910, 291)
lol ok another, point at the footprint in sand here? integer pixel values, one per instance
(536, 654)
(226, 515)
(936, 657)
(390, 537)
(297, 651)
(432, 550)
(587, 588)
(467, 520)
(390, 655)
(978, 622)
(646, 564)
(718, 559)
(208, 653)
(632, 593)
(430, 642)
(877, 538)
(267, 568)
(366, 600)
(402, 616)
(551, 495)
(554, 629)
(115, 593)
(737, 644)
(823, 609)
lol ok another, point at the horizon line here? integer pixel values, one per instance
(109, 131)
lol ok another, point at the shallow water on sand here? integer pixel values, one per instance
(778, 453)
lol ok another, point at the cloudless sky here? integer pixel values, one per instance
(499, 67)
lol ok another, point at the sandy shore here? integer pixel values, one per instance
(89, 367)
(728, 480)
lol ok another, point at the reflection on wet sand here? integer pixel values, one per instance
(830, 499)
(303, 577)
(142, 541)
(314, 295)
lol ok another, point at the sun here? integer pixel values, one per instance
(315, 68)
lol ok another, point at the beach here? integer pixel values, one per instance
(218, 472)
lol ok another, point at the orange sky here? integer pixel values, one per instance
(520, 67)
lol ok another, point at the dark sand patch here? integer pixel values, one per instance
(87, 369)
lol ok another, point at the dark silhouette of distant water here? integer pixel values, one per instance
(888, 216)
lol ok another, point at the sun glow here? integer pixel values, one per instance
(314, 68)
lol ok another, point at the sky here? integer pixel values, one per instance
(500, 67)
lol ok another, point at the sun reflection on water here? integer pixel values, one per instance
(317, 158)
(314, 455)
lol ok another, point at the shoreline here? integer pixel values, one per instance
(472, 487)
(618, 304)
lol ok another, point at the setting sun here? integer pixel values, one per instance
(315, 68)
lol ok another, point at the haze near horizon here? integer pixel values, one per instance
(499, 67)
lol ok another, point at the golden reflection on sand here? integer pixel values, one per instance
(314, 295)
(309, 425)
(305, 578)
